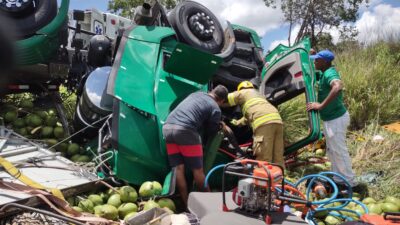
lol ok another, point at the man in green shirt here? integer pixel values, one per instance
(334, 115)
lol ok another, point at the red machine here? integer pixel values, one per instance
(255, 194)
(386, 219)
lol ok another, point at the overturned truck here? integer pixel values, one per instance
(160, 60)
(127, 84)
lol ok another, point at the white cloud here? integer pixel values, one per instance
(249, 13)
(275, 43)
(335, 34)
(380, 22)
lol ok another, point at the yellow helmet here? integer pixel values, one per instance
(245, 84)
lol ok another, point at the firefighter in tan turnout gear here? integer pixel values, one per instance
(264, 120)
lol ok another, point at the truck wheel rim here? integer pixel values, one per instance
(15, 5)
(202, 26)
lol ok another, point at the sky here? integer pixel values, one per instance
(380, 17)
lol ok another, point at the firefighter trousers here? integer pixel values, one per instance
(268, 143)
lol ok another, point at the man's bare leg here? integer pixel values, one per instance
(181, 183)
(199, 179)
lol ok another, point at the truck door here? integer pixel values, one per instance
(288, 81)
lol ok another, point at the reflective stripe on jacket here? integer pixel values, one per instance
(255, 108)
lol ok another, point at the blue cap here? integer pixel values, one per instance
(324, 54)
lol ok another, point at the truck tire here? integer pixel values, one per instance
(7, 50)
(229, 44)
(246, 63)
(197, 26)
(28, 22)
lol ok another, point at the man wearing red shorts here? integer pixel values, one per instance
(199, 111)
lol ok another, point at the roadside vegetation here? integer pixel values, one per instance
(371, 76)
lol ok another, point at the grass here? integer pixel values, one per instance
(69, 102)
(371, 156)
(371, 79)
(295, 119)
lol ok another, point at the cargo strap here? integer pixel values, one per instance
(16, 173)
(60, 206)
(264, 119)
(251, 102)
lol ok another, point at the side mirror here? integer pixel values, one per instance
(79, 15)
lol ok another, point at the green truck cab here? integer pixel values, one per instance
(162, 59)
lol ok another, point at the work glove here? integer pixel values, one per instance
(235, 122)
(240, 122)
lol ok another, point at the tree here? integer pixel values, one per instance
(324, 41)
(315, 16)
(126, 7)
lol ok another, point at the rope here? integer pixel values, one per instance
(103, 161)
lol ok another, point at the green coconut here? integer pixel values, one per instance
(359, 209)
(58, 132)
(320, 152)
(62, 147)
(331, 220)
(157, 188)
(126, 208)
(150, 204)
(168, 210)
(374, 208)
(114, 200)
(51, 121)
(35, 120)
(43, 114)
(393, 200)
(75, 158)
(77, 208)
(19, 123)
(109, 212)
(328, 164)
(83, 158)
(86, 205)
(73, 149)
(22, 131)
(46, 132)
(52, 112)
(149, 189)
(166, 202)
(128, 194)
(389, 207)
(146, 189)
(71, 201)
(27, 119)
(96, 199)
(112, 191)
(10, 116)
(130, 215)
(50, 142)
(368, 200)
